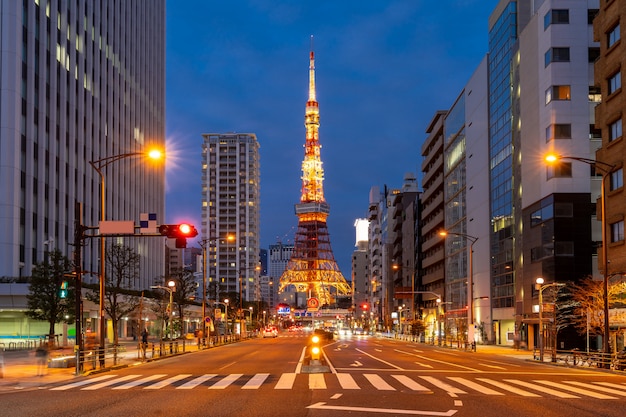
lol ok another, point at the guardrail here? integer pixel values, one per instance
(590, 359)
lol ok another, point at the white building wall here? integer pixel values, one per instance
(477, 191)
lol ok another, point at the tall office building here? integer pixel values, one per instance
(230, 213)
(81, 81)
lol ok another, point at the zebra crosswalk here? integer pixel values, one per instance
(347, 381)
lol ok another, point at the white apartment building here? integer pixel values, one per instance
(230, 214)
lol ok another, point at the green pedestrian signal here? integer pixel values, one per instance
(63, 290)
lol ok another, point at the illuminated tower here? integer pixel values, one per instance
(312, 268)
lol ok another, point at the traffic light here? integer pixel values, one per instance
(180, 232)
(364, 306)
(63, 290)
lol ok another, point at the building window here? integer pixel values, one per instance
(595, 95)
(560, 170)
(617, 231)
(558, 92)
(617, 179)
(615, 130)
(615, 82)
(593, 54)
(564, 248)
(556, 55)
(556, 16)
(559, 131)
(613, 35)
(591, 14)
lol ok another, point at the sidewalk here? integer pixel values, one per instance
(20, 367)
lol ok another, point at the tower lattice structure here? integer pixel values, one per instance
(312, 267)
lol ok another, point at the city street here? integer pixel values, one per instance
(369, 376)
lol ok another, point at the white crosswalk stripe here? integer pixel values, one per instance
(196, 381)
(509, 388)
(356, 381)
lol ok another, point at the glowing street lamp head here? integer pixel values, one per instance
(539, 281)
(443, 233)
(155, 154)
(551, 158)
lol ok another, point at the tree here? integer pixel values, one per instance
(44, 300)
(185, 291)
(583, 308)
(123, 268)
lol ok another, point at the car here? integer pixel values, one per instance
(345, 331)
(270, 332)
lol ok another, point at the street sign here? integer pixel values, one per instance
(207, 320)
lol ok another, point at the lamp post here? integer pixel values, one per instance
(539, 285)
(99, 165)
(607, 170)
(226, 311)
(470, 282)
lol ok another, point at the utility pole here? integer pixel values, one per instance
(78, 247)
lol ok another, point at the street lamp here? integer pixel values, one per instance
(539, 286)
(226, 309)
(170, 289)
(608, 170)
(470, 282)
(99, 165)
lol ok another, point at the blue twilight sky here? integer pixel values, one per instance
(382, 70)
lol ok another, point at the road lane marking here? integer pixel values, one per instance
(543, 390)
(226, 381)
(110, 382)
(81, 383)
(444, 386)
(576, 390)
(409, 383)
(380, 360)
(286, 381)
(196, 381)
(509, 388)
(316, 381)
(356, 363)
(256, 381)
(347, 382)
(140, 381)
(610, 384)
(474, 386)
(167, 381)
(424, 365)
(336, 396)
(492, 366)
(323, 406)
(438, 361)
(378, 382)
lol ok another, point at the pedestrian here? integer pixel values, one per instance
(42, 360)
(144, 342)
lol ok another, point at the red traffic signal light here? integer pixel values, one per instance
(180, 232)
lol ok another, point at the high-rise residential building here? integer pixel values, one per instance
(431, 278)
(403, 206)
(230, 213)
(379, 269)
(361, 302)
(610, 114)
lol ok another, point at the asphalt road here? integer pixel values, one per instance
(368, 377)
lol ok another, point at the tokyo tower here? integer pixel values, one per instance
(312, 267)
